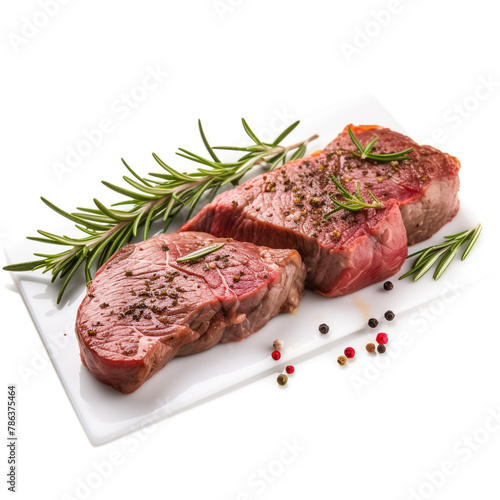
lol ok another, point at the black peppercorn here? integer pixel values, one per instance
(372, 323)
(381, 348)
(388, 285)
(323, 328)
(389, 315)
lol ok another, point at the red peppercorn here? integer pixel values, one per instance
(276, 355)
(290, 369)
(349, 352)
(382, 338)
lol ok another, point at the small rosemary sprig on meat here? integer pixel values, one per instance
(161, 197)
(364, 152)
(353, 201)
(445, 251)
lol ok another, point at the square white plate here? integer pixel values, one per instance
(107, 414)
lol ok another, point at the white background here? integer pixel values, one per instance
(427, 63)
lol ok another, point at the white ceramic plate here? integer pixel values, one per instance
(107, 414)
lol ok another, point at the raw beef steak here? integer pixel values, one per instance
(286, 208)
(143, 307)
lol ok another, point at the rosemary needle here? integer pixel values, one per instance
(161, 196)
(201, 252)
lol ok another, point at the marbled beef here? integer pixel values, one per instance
(143, 307)
(286, 208)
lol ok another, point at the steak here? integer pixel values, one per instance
(426, 187)
(347, 251)
(143, 307)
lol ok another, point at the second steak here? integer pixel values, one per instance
(286, 208)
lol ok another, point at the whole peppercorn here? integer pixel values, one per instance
(323, 328)
(349, 352)
(278, 344)
(372, 323)
(388, 285)
(382, 338)
(290, 369)
(282, 379)
(370, 347)
(276, 355)
(381, 348)
(389, 315)
(341, 360)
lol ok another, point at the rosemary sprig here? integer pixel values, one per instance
(161, 197)
(446, 251)
(353, 201)
(383, 157)
(201, 252)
